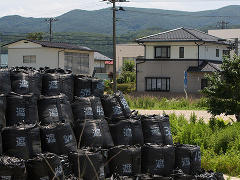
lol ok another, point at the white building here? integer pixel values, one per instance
(171, 55)
(229, 34)
(127, 52)
(51, 54)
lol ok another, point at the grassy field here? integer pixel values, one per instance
(219, 141)
(154, 103)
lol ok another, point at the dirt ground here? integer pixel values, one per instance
(187, 113)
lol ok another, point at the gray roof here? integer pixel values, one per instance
(101, 57)
(60, 45)
(180, 34)
(206, 67)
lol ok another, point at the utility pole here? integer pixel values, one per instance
(222, 24)
(50, 21)
(114, 41)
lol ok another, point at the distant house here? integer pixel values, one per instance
(128, 52)
(230, 34)
(102, 64)
(52, 54)
(177, 57)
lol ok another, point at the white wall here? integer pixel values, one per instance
(44, 56)
(127, 50)
(207, 51)
(190, 49)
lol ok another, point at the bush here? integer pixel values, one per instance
(219, 142)
(148, 102)
(126, 87)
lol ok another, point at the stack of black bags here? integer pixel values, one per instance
(56, 125)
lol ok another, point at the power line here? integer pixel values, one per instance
(222, 24)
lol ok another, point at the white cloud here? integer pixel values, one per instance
(47, 8)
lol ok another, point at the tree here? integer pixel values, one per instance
(35, 36)
(128, 73)
(223, 92)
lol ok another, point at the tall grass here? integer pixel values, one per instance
(148, 102)
(219, 141)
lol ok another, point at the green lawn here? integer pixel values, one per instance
(155, 103)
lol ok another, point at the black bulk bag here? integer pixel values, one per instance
(179, 175)
(56, 81)
(127, 132)
(54, 109)
(21, 109)
(26, 80)
(125, 160)
(12, 168)
(97, 108)
(87, 164)
(2, 111)
(97, 87)
(5, 85)
(58, 138)
(82, 109)
(21, 141)
(1, 149)
(93, 133)
(158, 159)
(188, 158)
(67, 168)
(111, 107)
(152, 132)
(166, 130)
(123, 103)
(45, 167)
(82, 86)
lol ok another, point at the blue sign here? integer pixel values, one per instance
(185, 80)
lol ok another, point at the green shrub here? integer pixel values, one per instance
(219, 141)
(126, 88)
(148, 102)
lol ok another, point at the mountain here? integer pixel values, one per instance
(130, 20)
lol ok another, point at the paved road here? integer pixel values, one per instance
(187, 113)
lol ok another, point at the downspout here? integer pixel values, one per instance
(59, 56)
(198, 45)
(140, 63)
(137, 71)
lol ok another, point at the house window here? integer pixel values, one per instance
(157, 84)
(162, 52)
(181, 52)
(204, 83)
(217, 52)
(29, 59)
(77, 62)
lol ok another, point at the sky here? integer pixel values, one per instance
(53, 8)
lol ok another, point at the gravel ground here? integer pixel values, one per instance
(187, 113)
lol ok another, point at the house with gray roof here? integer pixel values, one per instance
(38, 54)
(178, 60)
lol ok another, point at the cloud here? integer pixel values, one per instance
(47, 8)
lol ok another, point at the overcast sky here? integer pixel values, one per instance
(48, 8)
